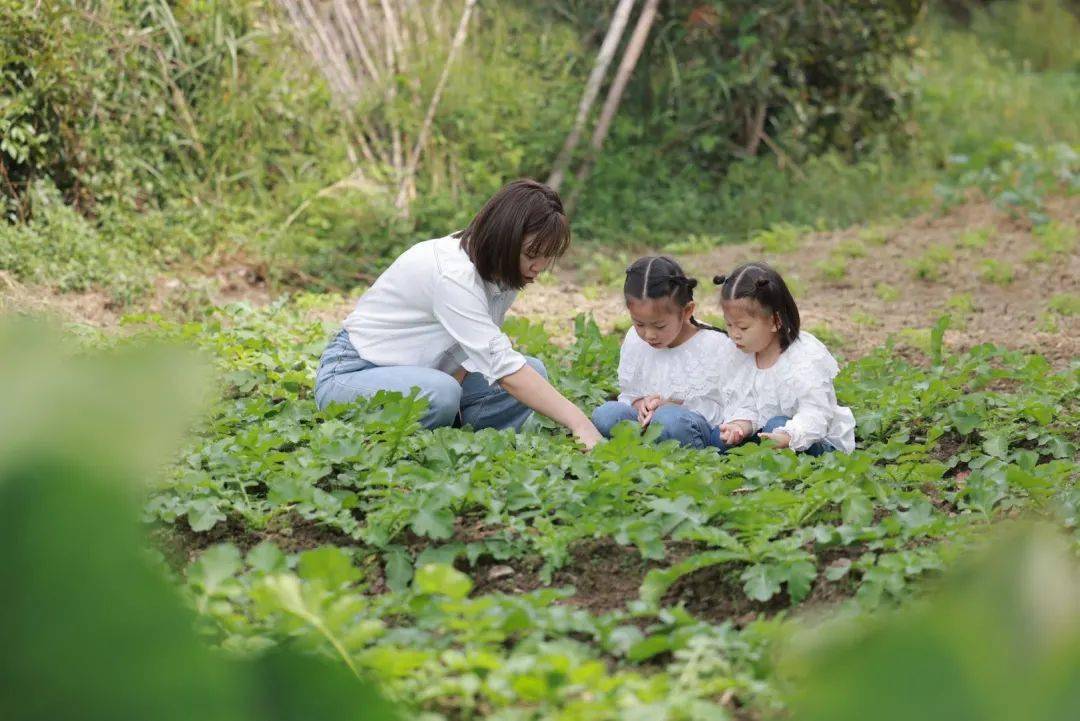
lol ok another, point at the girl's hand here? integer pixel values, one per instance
(645, 407)
(781, 439)
(734, 433)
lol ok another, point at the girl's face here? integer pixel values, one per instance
(750, 326)
(659, 321)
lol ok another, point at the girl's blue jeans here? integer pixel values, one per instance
(344, 376)
(685, 426)
(780, 421)
(677, 424)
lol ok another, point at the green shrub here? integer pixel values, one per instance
(1039, 33)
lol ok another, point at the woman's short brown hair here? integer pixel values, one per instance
(495, 237)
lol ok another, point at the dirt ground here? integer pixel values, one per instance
(878, 294)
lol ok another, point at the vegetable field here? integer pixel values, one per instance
(514, 576)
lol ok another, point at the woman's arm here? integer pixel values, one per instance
(533, 390)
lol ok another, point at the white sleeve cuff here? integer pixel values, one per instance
(501, 360)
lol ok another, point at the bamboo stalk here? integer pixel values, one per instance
(396, 151)
(358, 44)
(615, 92)
(429, 117)
(592, 89)
(367, 28)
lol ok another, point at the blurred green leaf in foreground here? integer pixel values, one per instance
(1000, 641)
(88, 629)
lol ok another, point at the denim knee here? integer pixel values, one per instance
(679, 424)
(773, 423)
(444, 402)
(610, 414)
(537, 365)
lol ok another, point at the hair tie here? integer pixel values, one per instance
(761, 282)
(719, 279)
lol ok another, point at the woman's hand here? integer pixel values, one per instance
(734, 433)
(781, 439)
(532, 389)
(587, 435)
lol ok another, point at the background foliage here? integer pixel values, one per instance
(142, 136)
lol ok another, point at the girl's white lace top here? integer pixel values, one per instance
(695, 372)
(800, 386)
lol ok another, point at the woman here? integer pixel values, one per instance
(432, 321)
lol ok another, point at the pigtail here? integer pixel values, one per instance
(760, 283)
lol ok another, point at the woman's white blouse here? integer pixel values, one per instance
(800, 386)
(431, 308)
(694, 372)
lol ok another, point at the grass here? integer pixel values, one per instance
(996, 271)
(886, 292)
(834, 268)
(976, 238)
(1065, 304)
(1053, 240)
(933, 264)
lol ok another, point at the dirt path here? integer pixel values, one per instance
(859, 286)
(856, 288)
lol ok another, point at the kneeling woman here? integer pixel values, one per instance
(432, 321)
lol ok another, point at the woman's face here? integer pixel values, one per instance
(749, 326)
(658, 322)
(532, 266)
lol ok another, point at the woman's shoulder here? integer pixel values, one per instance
(450, 261)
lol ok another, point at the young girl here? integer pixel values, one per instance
(672, 368)
(786, 374)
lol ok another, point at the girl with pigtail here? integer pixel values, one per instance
(786, 375)
(673, 369)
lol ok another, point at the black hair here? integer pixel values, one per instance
(493, 239)
(658, 276)
(760, 283)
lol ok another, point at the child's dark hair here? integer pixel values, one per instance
(658, 276)
(760, 283)
(494, 239)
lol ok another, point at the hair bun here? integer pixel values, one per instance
(691, 283)
(761, 282)
(719, 279)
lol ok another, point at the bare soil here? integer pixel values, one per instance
(880, 294)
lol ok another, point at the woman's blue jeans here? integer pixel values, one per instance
(677, 424)
(344, 376)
